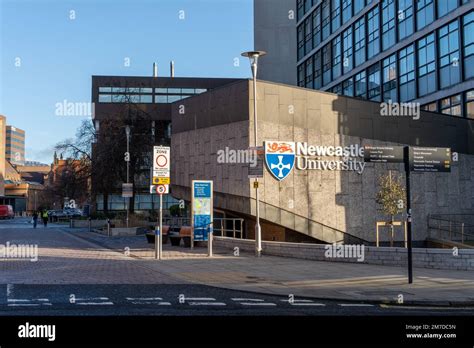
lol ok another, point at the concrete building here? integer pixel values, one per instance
(322, 204)
(153, 96)
(2, 154)
(15, 145)
(381, 50)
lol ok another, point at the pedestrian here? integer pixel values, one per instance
(45, 218)
(35, 219)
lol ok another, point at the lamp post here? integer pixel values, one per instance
(127, 158)
(253, 57)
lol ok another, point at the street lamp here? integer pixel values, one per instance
(253, 57)
(127, 158)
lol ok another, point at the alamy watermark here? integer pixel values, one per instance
(19, 251)
(400, 109)
(345, 251)
(228, 155)
(68, 108)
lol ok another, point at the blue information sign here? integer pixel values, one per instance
(201, 208)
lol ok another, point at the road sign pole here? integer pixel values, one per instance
(409, 232)
(161, 228)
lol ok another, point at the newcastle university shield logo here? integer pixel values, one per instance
(280, 158)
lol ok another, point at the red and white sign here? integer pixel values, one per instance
(162, 189)
(161, 162)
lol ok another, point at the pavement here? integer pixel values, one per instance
(78, 258)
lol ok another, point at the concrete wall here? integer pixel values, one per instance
(327, 205)
(423, 258)
(2, 154)
(275, 33)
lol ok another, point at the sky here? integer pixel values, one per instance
(49, 49)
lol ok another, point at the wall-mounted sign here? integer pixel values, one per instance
(201, 208)
(256, 168)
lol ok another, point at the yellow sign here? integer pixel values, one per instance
(161, 181)
(255, 184)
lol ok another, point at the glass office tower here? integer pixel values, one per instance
(390, 50)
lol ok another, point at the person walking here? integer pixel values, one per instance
(44, 215)
(35, 219)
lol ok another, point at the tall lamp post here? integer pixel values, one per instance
(127, 158)
(253, 57)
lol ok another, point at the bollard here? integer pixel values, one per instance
(108, 227)
(70, 223)
(209, 241)
(90, 224)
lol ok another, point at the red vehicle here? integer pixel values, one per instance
(6, 212)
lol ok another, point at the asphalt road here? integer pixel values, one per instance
(40, 295)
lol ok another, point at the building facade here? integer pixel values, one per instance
(154, 97)
(15, 145)
(419, 51)
(2, 154)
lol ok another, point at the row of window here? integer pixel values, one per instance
(136, 90)
(388, 22)
(15, 140)
(22, 148)
(15, 133)
(140, 98)
(429, 64)
(453, 105)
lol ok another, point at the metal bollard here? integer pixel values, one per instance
(209, 241)
(70, 223)
(90, 224)
(108, 227)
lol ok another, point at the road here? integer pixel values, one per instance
(76, 277)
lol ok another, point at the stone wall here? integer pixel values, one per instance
(422, 257)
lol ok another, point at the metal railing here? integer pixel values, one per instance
(227, 227)
(452, 227)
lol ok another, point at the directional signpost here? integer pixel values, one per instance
(161, 178)
(416, 159)
(201, 209)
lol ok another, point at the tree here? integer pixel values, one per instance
(391, 197)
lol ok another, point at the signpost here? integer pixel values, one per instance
(416, 159)
(161, 178)
(201, 209)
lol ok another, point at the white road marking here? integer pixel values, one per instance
(257, 303)
(207, 304)
(303, 303)
(28, 302)
(9, 289)
(199, 299)
(24, 304)
(95, 303)
(92, 298)
(355, 305)
(144, 298)
(152, 303)
(248, 299)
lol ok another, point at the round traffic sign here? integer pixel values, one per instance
(161, 160)
(160, 189)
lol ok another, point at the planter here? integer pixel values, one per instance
(175, 241)
(150, 237)
(187, 242)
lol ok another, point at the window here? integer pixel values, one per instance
(105, 98)
(300, 41)
(426, 65)
(200, 90)
(326, 14)
(407, 74)
(446, 6)
(317, 70)
(424, 13)
(347, 47)
(146, 98)
(337, 89)
(105, 89)
(348, 87)
(468, 45)
(301, 75)
(187, 90)
(470, 104)
(360, 85)
(174, 98)
(388, 23)
(309, 73)
(405, 18)
(308, 35)
(300, 9)
(359, 42)
(316, 27)
(326, 64)
(358, 6)
(374, 82)
(433, 107)
(373, 46)
(161, 99)
(336, 57)
(161, 90)
(390, 78)
(451, 105)
(335, 15)
(448, 55)
(346, 10)
(146, 90)
(174, 90)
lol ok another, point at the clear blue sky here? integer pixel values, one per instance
(59, 55)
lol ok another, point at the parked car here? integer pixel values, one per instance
(6, 212)
(56, 213)
(73, 212)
